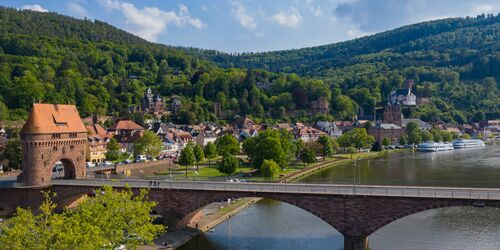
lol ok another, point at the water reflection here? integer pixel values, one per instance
(274, 225)
(270, 224)
(462, 168)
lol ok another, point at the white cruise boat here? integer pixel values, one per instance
(431, 146)
(468, 143)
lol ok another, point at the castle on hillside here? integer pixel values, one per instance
(403, 96)
(153, 103)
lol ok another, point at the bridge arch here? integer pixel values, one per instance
(425, 208)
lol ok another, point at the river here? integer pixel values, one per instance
(275, 225)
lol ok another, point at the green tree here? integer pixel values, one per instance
(210, 151)
(187, 157)
(412, 126)
(326, 146)
(14, 153)
(357, 138)
(299, 146)
(4, 112)
(386, 142)
(227, 144)
(228, 164)
(269, 149)
(199, 155)
(403, 140)
(269, 168)
(414, 138)
(426, 136)
(308, 156)
(113, 150)
(106, 221)
(149, 144)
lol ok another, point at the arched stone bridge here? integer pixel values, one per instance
(355, 211)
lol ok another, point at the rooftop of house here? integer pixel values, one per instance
(125, 125)
(387, 126)
(53, 118)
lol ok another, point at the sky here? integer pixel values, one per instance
(258, 25)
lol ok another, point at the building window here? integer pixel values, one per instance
(54, 148)
(71, 147)
(56, 136)
(72, 135)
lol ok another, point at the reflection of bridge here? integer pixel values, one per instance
(355, 211)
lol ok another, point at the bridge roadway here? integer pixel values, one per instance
(356, 211)
(327, 189)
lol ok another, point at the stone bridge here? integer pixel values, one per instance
(354, 211)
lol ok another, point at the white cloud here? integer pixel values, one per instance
(240, 14)
(34, 7)
(291, 18)
(314, 8)
(149, 22)
(77, 9)
(355, 33)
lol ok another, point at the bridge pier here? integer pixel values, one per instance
(359, 242)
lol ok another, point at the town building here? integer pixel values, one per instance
(126, 132)
(421, 124)
(385, 130)
(153, 103)
(330, 128)
(97, 142)
(403, 96)
(203, 138)
(307, 134)
(393, 114)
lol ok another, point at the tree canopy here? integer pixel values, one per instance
(106, 221)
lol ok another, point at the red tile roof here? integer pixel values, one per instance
(126, 125)
(53, 118)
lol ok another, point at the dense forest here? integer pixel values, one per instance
(454, 61)
(46, 57)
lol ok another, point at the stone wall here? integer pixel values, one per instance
(140, 165)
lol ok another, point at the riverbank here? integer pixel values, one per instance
(206, 219)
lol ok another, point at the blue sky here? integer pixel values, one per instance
(258, 25)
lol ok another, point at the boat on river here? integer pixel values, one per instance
(468, 143)
(431, 146)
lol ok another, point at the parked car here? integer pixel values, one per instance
(141, 158)
(127, 161)
(107, 163)
(89, 164)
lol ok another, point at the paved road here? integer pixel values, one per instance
(364, 190)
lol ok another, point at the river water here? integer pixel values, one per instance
(275, 225)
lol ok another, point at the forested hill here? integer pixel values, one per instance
(46, 57)
(453, 41)
(50, 24)
(455, 62)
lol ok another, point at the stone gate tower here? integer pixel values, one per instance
(53, 132)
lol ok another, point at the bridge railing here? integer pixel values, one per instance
(357, 190)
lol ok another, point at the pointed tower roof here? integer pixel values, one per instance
(53, 118)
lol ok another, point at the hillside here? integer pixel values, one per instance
(454, 61)
(46, 57)
(451, 36)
